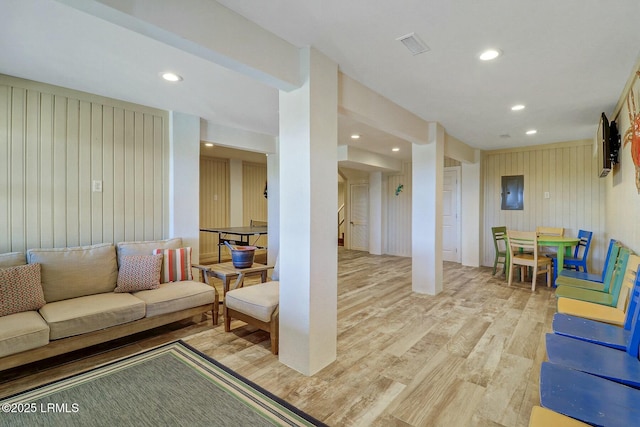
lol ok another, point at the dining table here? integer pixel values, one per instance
(563, 245)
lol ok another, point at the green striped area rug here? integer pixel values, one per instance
(172, 385)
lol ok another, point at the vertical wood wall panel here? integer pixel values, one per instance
(32, 162)
(59, 194)
(568, 172)
(53, 143)
(5, 167)
(399, 213)
(254, 204)
(17, 177)
(214, 203)
(73, 170)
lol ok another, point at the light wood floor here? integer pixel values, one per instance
(469, 356)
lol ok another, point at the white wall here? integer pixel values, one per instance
(622, 184)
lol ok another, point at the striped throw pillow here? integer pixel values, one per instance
(176, 266)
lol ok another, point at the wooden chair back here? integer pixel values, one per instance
(500, 245)
(499, 239)
(523, 250)
(523, 242)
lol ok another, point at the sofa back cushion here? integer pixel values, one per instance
(12, 259)
(75, 272)
(146, 247)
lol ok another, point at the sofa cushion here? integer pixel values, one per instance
(74, 272)
(258, 301)
(146, 247)
(22, 331)
(90, 313)
(11, 259)
(176, 264)
(175, 296)
(20, 289)
(139, 272)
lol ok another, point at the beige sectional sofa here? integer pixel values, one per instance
(82, 306)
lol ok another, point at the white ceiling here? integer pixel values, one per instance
(567, 61)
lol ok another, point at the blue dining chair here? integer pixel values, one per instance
(579, 258)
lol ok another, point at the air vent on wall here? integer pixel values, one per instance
(413, 43)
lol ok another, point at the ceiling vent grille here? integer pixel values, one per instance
(413, 43)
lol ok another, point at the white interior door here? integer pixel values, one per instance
(359, 217)
(451, 215)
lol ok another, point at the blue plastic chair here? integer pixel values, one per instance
(577, 260)
(595, 359)
(602, 333)
(588, 398)
(602, 296)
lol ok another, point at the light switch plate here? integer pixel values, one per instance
(96, 186)
(546, 195)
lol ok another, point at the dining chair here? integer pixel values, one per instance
(523, 252)
(579, 258)
(549, 231)
(610, 258)
(500, 245)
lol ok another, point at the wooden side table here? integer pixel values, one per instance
(227, 272)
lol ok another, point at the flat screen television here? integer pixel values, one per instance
(603, 146)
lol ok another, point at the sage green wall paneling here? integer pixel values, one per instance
(568, 172)
(54, 143)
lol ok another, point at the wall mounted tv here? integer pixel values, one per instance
(607, 145)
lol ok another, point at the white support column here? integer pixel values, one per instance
(273, 206)
(375, 213)
(470, 210)
(184, 180)
(426, 213)
(235, 193)
(308, 206)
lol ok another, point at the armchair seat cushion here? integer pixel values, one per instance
(175, 296)
(91, 313)
(22, 331)
(258, 301)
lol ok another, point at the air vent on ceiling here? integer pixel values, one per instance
(413, 43)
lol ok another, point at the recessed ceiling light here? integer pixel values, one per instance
(208, 144)
(395, 149)
(532, 132)
(171, 77)
(490, 54)
(517, 107)
(355, 136)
